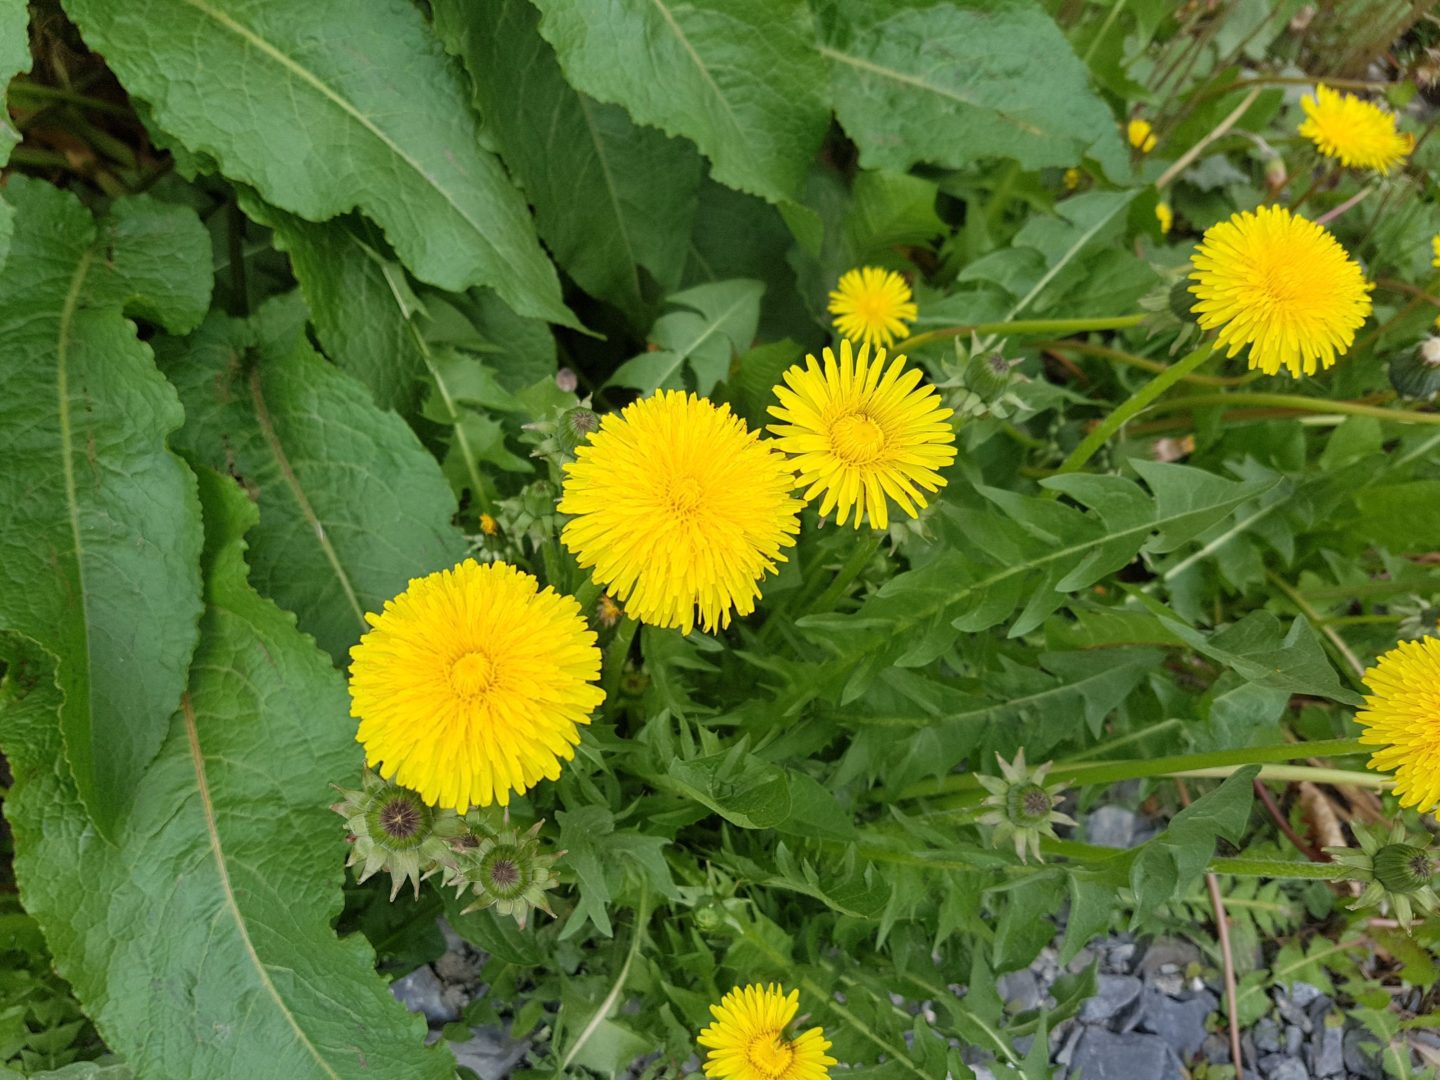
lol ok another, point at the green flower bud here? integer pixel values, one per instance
(392, 829)
(1415, 373)
(1403, 868)
(504, 870)
(1021, 807)
(1182, 300)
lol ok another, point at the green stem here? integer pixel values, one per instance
(1239, 866)
(1144, 362)
(616, 654)
(1136, 403)
(1300, 404)
(1353, 777)
(1106, 772)
(642, 913)
(36, 91)
(860, 556)
(1023, 326)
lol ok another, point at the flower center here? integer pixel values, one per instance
(472, 675)
(504, 873)
(400, 819)
(770, 1055)
(683, 497)
(856, 439)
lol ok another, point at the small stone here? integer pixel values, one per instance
(1104, 1055)
(1112, 826)
(1179, 1023)
(1303, 993)
(1020, 990)
(1362, 1060)
(1083, 959)
(1291, 1013)
(422, 991)
(1216, 1049)
(1294, 1040)
(490, 1053)
(1327, 1056)
(1066, 1053)
(1112, 993)
(1267, 1036)
(1120, 957)
(1168, 956)
(1280, 1067)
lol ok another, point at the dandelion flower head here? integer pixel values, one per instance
(1141, 135)
(1165, 216)
(1402, 715)
(872, 306)
(1435, 251)
(1355, 131)
(1281, 285)
(470, 685)
(748, 1041)
(680, 510)
(1071, 178)
(861, 433)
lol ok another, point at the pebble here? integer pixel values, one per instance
(1168, 956)
(489, 1053)
(1294, 1040)
(1303, 993)
(1362, 1061)
(1113, 993)
(1112, 826)
(1327, 1056)
(1020, 990)
(1180, 1023)
(1280, 1067)
(1104, 1055)
(1267, 1036)
(422, 991)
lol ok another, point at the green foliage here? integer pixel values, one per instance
(296, 302)
(222, 883)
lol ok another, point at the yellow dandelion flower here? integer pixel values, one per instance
(747, 1041)
(1435, 251)
(1071, 179)
(1402, 714)
(679, 508)
(1165, 216)
(1360, 134)
(859, 433)
(488, 525)
(872, 306)
(1141, 135)
(471, 683)
(1281, 285)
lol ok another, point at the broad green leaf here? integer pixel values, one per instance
(325, 108)
(200, 941)
(102, 529)
(14, 60)
(639, 187)
(1174, 860)
(360, 301)
(742, 789)
(713, 323)
(1404, 517)
(740, 78)
(351, 505)
(1032, 552)
(952, 83)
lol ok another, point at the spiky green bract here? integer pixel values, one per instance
(1397, 867)
(1022, 808)
(392, 829)
(505, 869)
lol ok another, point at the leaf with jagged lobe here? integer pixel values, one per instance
(200, 941)
(99, 553)
(639, 187)
(326, 107)
(351, 505)
(740, 78)
(954, 82)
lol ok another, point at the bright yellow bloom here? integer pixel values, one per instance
(470, 684)
(679, 508)
(1141, 135)
(747, 1041)
(859, 433)
(488, 525)
(1435, 251)
(1165, 216)
(1071, 179)
(1359, 133)
(872, 306)
(1402, 714)
(1281, 285)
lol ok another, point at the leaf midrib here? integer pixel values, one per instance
(72, 498)
(306, 75)
(222, 871)
(620, 220)
(287, 474)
